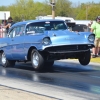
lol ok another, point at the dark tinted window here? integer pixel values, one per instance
(40, 27)
(79, 27)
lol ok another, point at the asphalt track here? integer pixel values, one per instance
(68, 78)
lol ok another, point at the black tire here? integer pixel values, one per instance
(85, 57)
(5, 62)
(37, 60)
(49, 65)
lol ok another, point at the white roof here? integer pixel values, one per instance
(86, 22)
(58, 17)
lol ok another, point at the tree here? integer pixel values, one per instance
(63, 8)
(88, 11)
(28, 9)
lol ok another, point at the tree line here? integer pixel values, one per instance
(29, 9)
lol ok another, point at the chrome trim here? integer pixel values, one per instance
(69, 51)
(55, 45)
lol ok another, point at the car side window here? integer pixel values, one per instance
(12, 33)
(17, 31)
(35, 28)
(20, 30)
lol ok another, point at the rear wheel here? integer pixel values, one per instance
(85, 57)
(37, 60)
(5, 62)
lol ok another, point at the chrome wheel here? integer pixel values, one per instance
(5, 62)
(35, 59)
(3, 59)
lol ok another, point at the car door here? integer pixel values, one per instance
(17, 42)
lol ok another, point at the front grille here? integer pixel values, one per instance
(67, 48)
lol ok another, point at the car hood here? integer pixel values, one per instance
(66, 33)
(67, 37)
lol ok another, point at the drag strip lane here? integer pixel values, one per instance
(65, 75)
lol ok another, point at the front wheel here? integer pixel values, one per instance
(37, 60)
(85, 57)
(5, 62)
(49, 65)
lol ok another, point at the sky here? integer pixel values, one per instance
(9, 2)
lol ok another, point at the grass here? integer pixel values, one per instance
(96, 60)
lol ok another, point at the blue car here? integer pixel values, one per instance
(44, 41)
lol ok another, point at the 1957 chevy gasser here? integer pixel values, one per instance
(44, 41)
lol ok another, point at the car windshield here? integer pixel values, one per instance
(40, 27)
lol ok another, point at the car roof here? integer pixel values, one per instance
(32, 21)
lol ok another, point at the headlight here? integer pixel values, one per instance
(46, 41)
(91, 38)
